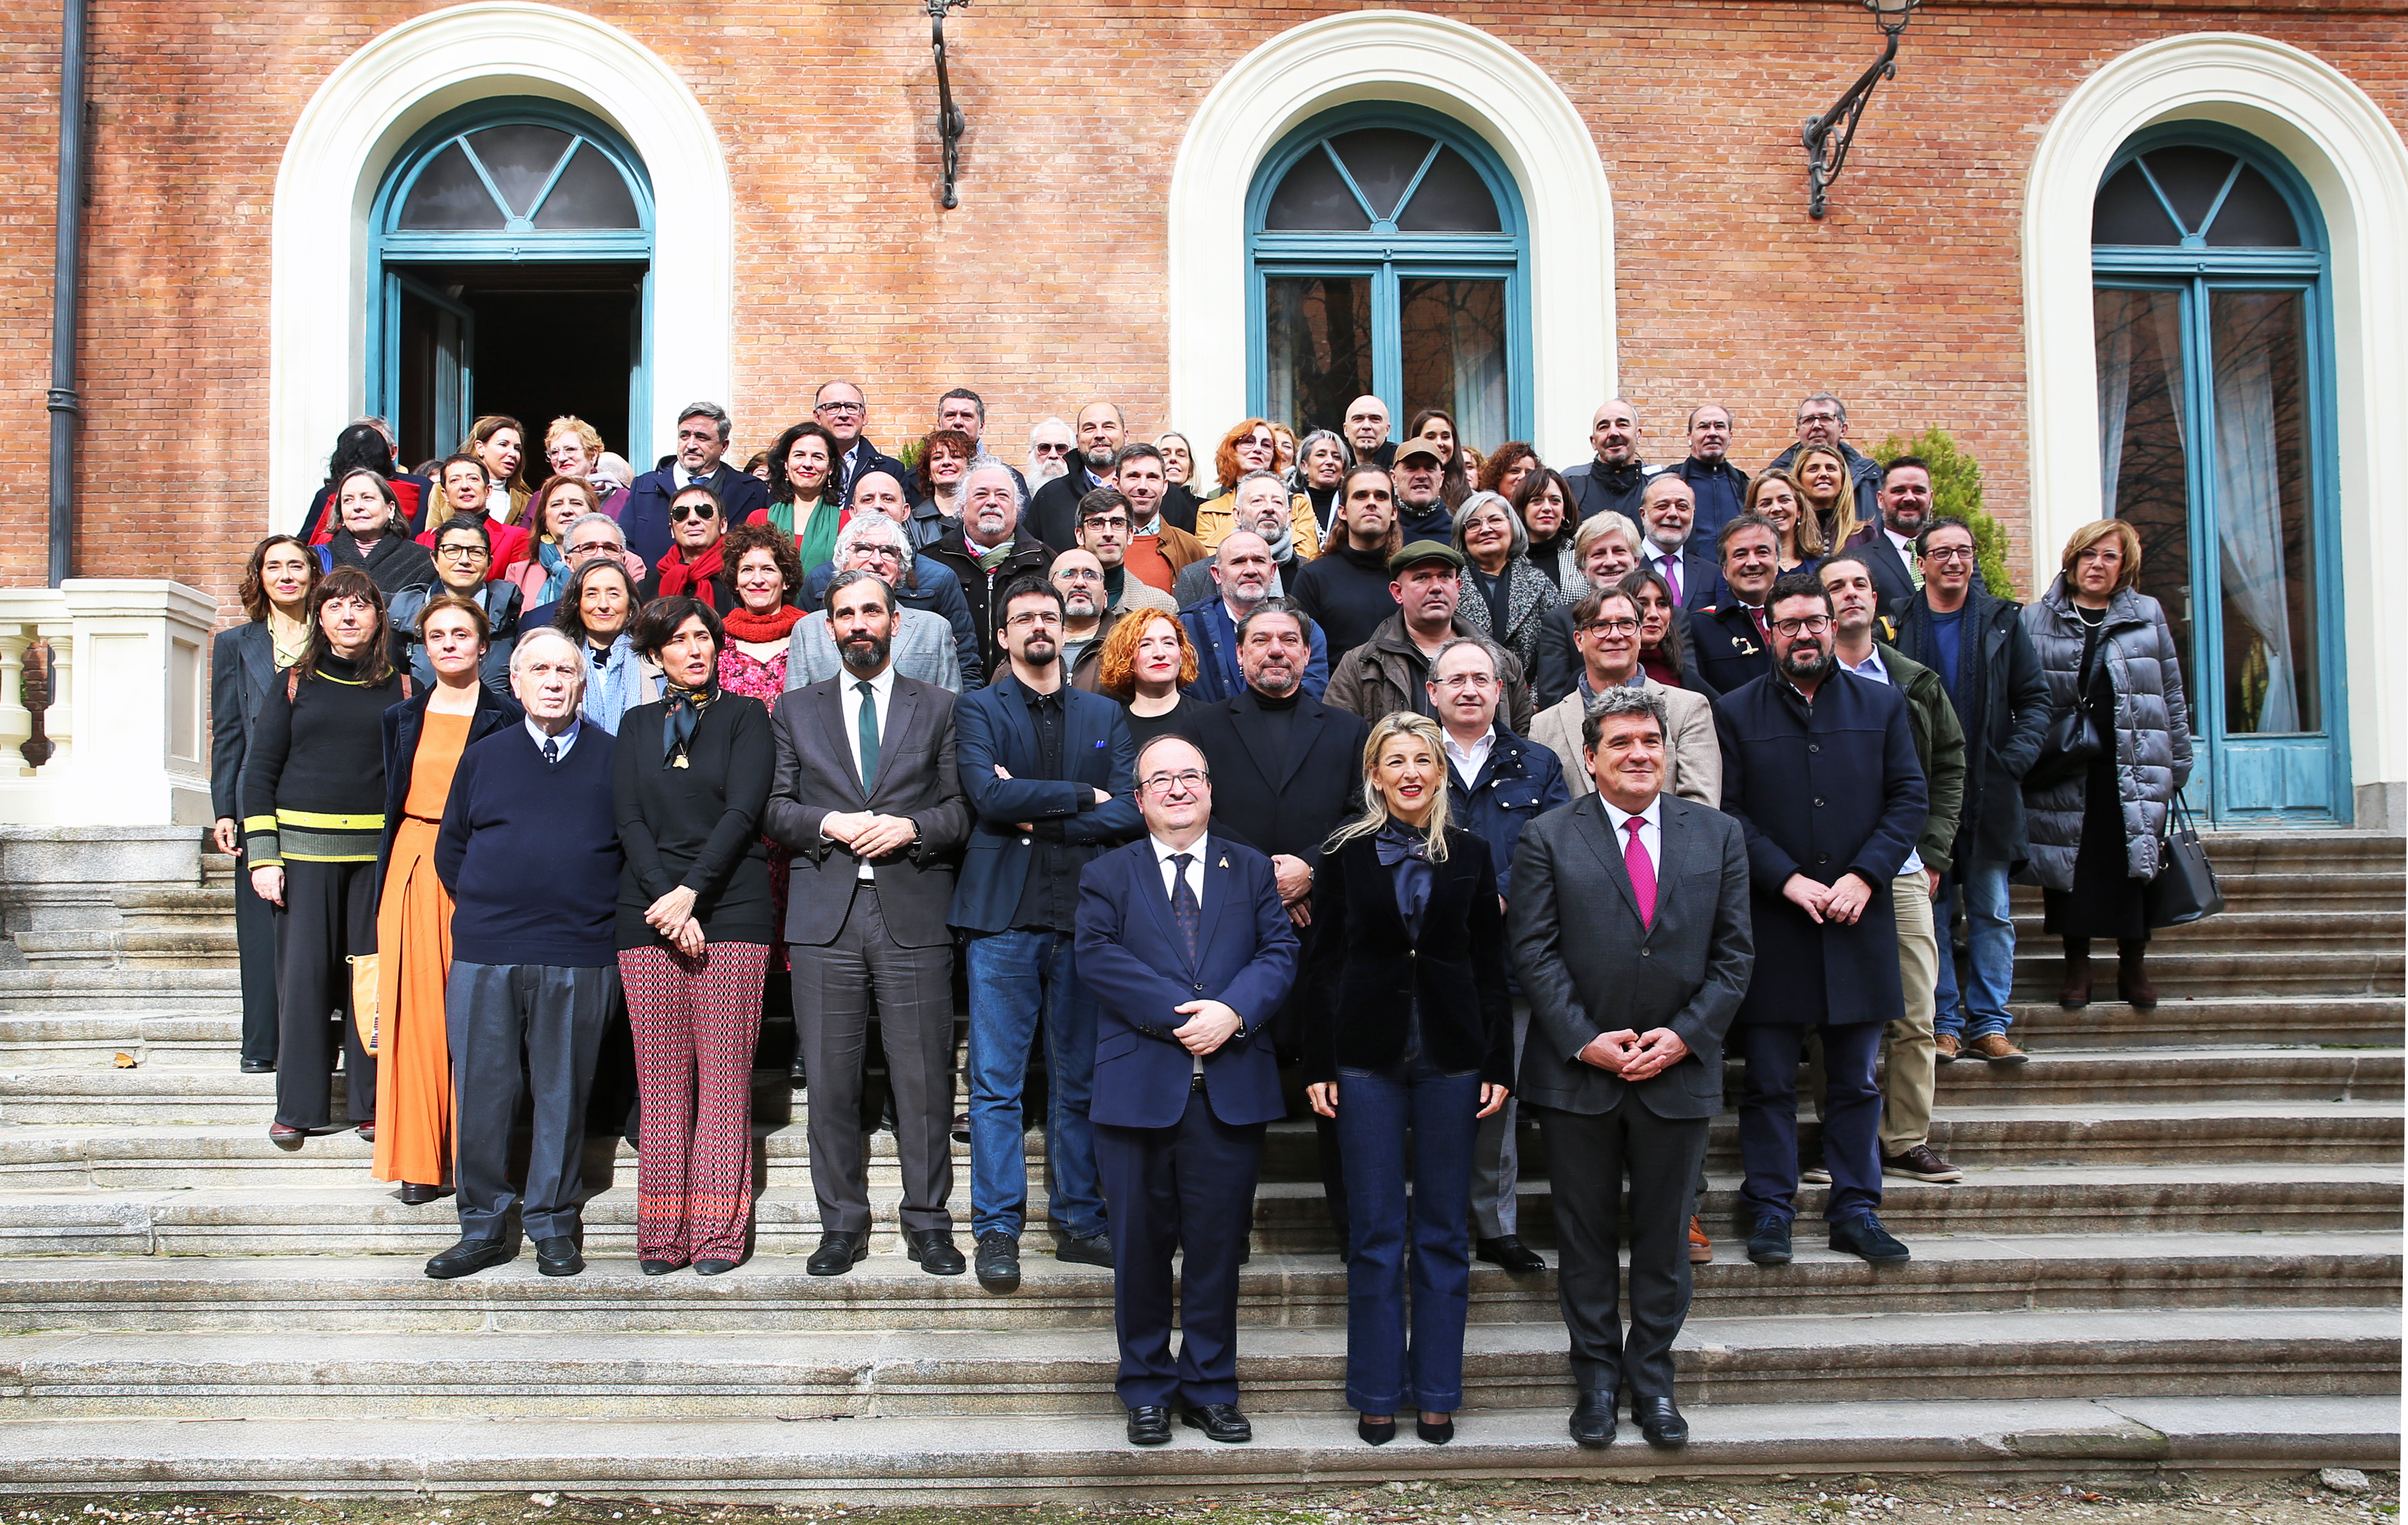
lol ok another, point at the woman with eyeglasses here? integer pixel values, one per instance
(573, 447)
(499, 442)
(691, 778)
(1775, 497)
(802, 503)
(1408, 1044)
(463, 552)
(1250, 445)
(313, 801)
(372, 534)
(595, 611)
(1436, 427)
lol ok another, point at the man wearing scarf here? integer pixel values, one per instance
(696, 524)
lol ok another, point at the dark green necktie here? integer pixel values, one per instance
(869, 736)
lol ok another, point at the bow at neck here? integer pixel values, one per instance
(683, 714)
(1397, 841)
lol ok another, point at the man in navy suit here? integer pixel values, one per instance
(1047, 767)
(1672, 545)
(1186, 947)
(702, 434)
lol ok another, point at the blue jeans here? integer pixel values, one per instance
(1016, 977)
(1983, 1000)
(1386, 1373)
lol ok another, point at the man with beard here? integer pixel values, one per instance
(1053, 514)
(1049, 451)
(1823, 419)
(1244, 576)
(1260, 503)
(1104, 525)
(1616, 478)
(867, 797)
(1157, 551)
(1367, 434)
(1717, 488)
(1889, 551)
(925, 644)
(1821, 772)
(1087, 616)
(1049, 771)
(844, 411)
(1345, 589)
(989, 549)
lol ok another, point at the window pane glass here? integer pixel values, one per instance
(1453, 339)
(448, 196)
(520, 158)
(2128, 212)
(590, 194)
(1383, 161)
(1317, 332)
(1313, 198)
(1450, 199)
(2145, 469)
(2254, 216)
(2190, 178)
(2264, 542)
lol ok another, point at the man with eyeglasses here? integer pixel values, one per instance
(843, 409)
(876, 543)
(1053, 513)
(1733, 640)
(588, 535)
(1907, 1050)
(1888, 545)
(1104, 517)
(1820, 769)
(1605, 632)
(1614, 479)
(990, 549)
(922, 643)
(1087, 615)
(1049, 451)
(1259, 505)
(1981, 651)
(703, 430)
(1823, 419)
(697, 523)
(466, 485)
(1049, 770)
(1390, 672)
(1185, 943)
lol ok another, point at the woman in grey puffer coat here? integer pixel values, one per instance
(2097, 838)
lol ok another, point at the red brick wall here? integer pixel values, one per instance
(1045, 286)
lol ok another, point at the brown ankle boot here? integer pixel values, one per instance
(2132, 974)
(2076, 992)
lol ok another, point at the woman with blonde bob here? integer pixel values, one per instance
(1146, 666)
(1775, 496)
(1408, 1044)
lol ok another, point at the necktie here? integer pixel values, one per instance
(1183, 908)
(552, 748)
(1643, 871)
(1763, 630)
(868, 735)
(1913, 568)
(1670, 565)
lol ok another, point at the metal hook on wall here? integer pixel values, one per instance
(951, 123)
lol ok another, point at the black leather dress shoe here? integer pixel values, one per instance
(1095, 1249)
(1219, 1422)
(1148, 1424)
(1593, 1418)
(796, 1078)
(1509, 1251)
(1769, 1243)
(470, 1256)
(558, 1256)
(934, 1250)
(1659, 1422)
(838, 1253)
(713, 1267)
(259, 1066)
(415, 1195)
(998, 1266)
(657, 1268)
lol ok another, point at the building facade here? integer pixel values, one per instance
(2151, 262)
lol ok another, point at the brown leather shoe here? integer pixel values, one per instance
(1923, 1164)
(2133, 974)
(1944, 1046)
(2075, 992)
(1995, 1047)
(1701, 1249)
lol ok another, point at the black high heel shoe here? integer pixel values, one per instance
(1436, 1435)
(1375, 1435)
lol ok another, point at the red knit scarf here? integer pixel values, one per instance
(744, 625)
(679, 575)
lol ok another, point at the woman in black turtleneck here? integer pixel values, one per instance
(1545, 504)
(373, 534)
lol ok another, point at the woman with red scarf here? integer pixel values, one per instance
(759, 571)
(698, 522)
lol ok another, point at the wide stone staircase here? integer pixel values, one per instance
(2177, 1245)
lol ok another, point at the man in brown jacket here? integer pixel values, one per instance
(1390, 672)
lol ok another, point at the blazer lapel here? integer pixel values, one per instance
(895, 737)
(1217, 873)
(1151, 891)
(259, 659)
(831, 713)
(1673, 849)
(1590, 813)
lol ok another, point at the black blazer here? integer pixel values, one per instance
(1728, 649)
(242, 668)
(1366, 975)
(1891, 578)
(403, 724)
(1295, 810)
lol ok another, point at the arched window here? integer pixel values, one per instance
(2213, 407)
(1386, 253)
(513, 244)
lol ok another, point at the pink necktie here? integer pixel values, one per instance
(1671, 568)
(1643, 871)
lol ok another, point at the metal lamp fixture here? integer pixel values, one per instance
(951, 123)
(1827, 151)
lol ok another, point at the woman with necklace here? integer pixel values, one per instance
(594, 612)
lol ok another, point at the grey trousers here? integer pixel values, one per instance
(915, 1022)
(1496, 1156)
(493, 1012)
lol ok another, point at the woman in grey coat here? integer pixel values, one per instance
(2097, 838)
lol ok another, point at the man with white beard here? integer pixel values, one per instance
(1049, 452)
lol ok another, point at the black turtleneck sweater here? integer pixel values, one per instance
(1279, 727)
(1346, 593)
(313, 777)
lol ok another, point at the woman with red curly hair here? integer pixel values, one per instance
(1249, 446)
(1147, 665)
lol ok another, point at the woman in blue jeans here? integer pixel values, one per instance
(1408, 1045)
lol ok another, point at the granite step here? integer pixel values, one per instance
(72, 1094)
(200, 945)
(66, 989)
(2320, 927)
(2178, 976)
(150, 1038)
(2375, 1021)
(2196, 1074)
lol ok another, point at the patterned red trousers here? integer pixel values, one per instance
(695, 1022)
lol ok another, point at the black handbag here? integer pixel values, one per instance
(2071, 745)
(2185, 889)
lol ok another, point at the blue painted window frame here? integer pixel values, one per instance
(1388, 257)
(2195, 271)
(392, 250)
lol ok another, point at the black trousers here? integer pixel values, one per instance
(329, 914)
(523, 1039)
(1586, 1157)
(254, 941)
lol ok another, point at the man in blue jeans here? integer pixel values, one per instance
(1048, 770)
(1977, 644)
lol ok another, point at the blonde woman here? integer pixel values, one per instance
(1776, 497)
(1828, 490)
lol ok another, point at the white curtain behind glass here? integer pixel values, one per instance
(2249, 495)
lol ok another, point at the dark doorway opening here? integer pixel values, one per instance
(531, 340)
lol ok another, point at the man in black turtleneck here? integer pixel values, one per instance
(1345, 589)
(1617, 477)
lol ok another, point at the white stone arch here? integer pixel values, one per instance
(349, 134)
(1429, 61)
(2352, 158)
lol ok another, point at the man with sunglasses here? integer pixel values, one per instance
(843, 410)
(698, 522)
(1053, 513)
(702, 433)
(1049, 452)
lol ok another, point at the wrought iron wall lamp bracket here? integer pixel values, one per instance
(951, 123)
(1826, 150)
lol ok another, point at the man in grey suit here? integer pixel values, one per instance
(867, 796)
(1630, 934)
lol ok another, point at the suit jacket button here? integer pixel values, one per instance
(1814, 747)
(1199, 987)
(1819, 802)
(1646, 952)
(1024, 841)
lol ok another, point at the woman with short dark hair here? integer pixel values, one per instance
(371, 534)
(802, 500)
(364, 446)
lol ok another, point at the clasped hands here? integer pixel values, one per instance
(672, 917)
(869, 834)
(1842, 901)
(1323, 1095)
(1635, 1056)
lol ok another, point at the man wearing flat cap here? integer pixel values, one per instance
(1390, 672)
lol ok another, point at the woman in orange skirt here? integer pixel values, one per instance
(423, 737)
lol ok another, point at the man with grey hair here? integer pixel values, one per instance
(1823, 419)
(703, 430)
(876, 543)
(922, 643)
(990, 549)
(1050, 444)
(1244, 579)
(1260, 503)
(529, 851)
(588, 535)
(842, 408)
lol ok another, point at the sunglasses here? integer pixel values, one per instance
(693, 510)
(1054, 450)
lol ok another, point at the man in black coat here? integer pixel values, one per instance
(1718, 488)
(989, 551)
(703, 431)
(1053, 515)
(1732, 641)
(843, 410)
(1616, 477)
(1819, 766)
(1889, 548)
(1345, 589)
(1978, 646)
(1823, 419)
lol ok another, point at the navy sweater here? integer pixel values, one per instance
(530, 852)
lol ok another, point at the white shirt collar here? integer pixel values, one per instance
(566, 739)
(1872, 666)
(882, 685)
(1164, 851)
(1615, 815)
(1469, 758)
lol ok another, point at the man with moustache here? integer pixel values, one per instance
(1260, 503)
(867, 796)
(1390, 672)
(1087, 619)
(1889, 548)
(1614, 479)
(1718, 488)
(1821, 773)
(1243, 577)
(1345, 589)
(990, 549)
(1732, 642)
(1053, 513)
(1050, 444)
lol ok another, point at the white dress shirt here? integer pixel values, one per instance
(848, 697)
(566, 739)
(1873, 667)
(1468, 761)
(1163, 853)
(1650, 833)
(1667, 562)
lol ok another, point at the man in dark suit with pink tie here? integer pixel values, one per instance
(1187, 948)
(1631, 935)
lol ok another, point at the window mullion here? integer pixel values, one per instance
(543, 192)
(1387, 339)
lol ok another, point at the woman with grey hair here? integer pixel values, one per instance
(1320, 462)
(1513, 596)
(595, 612)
